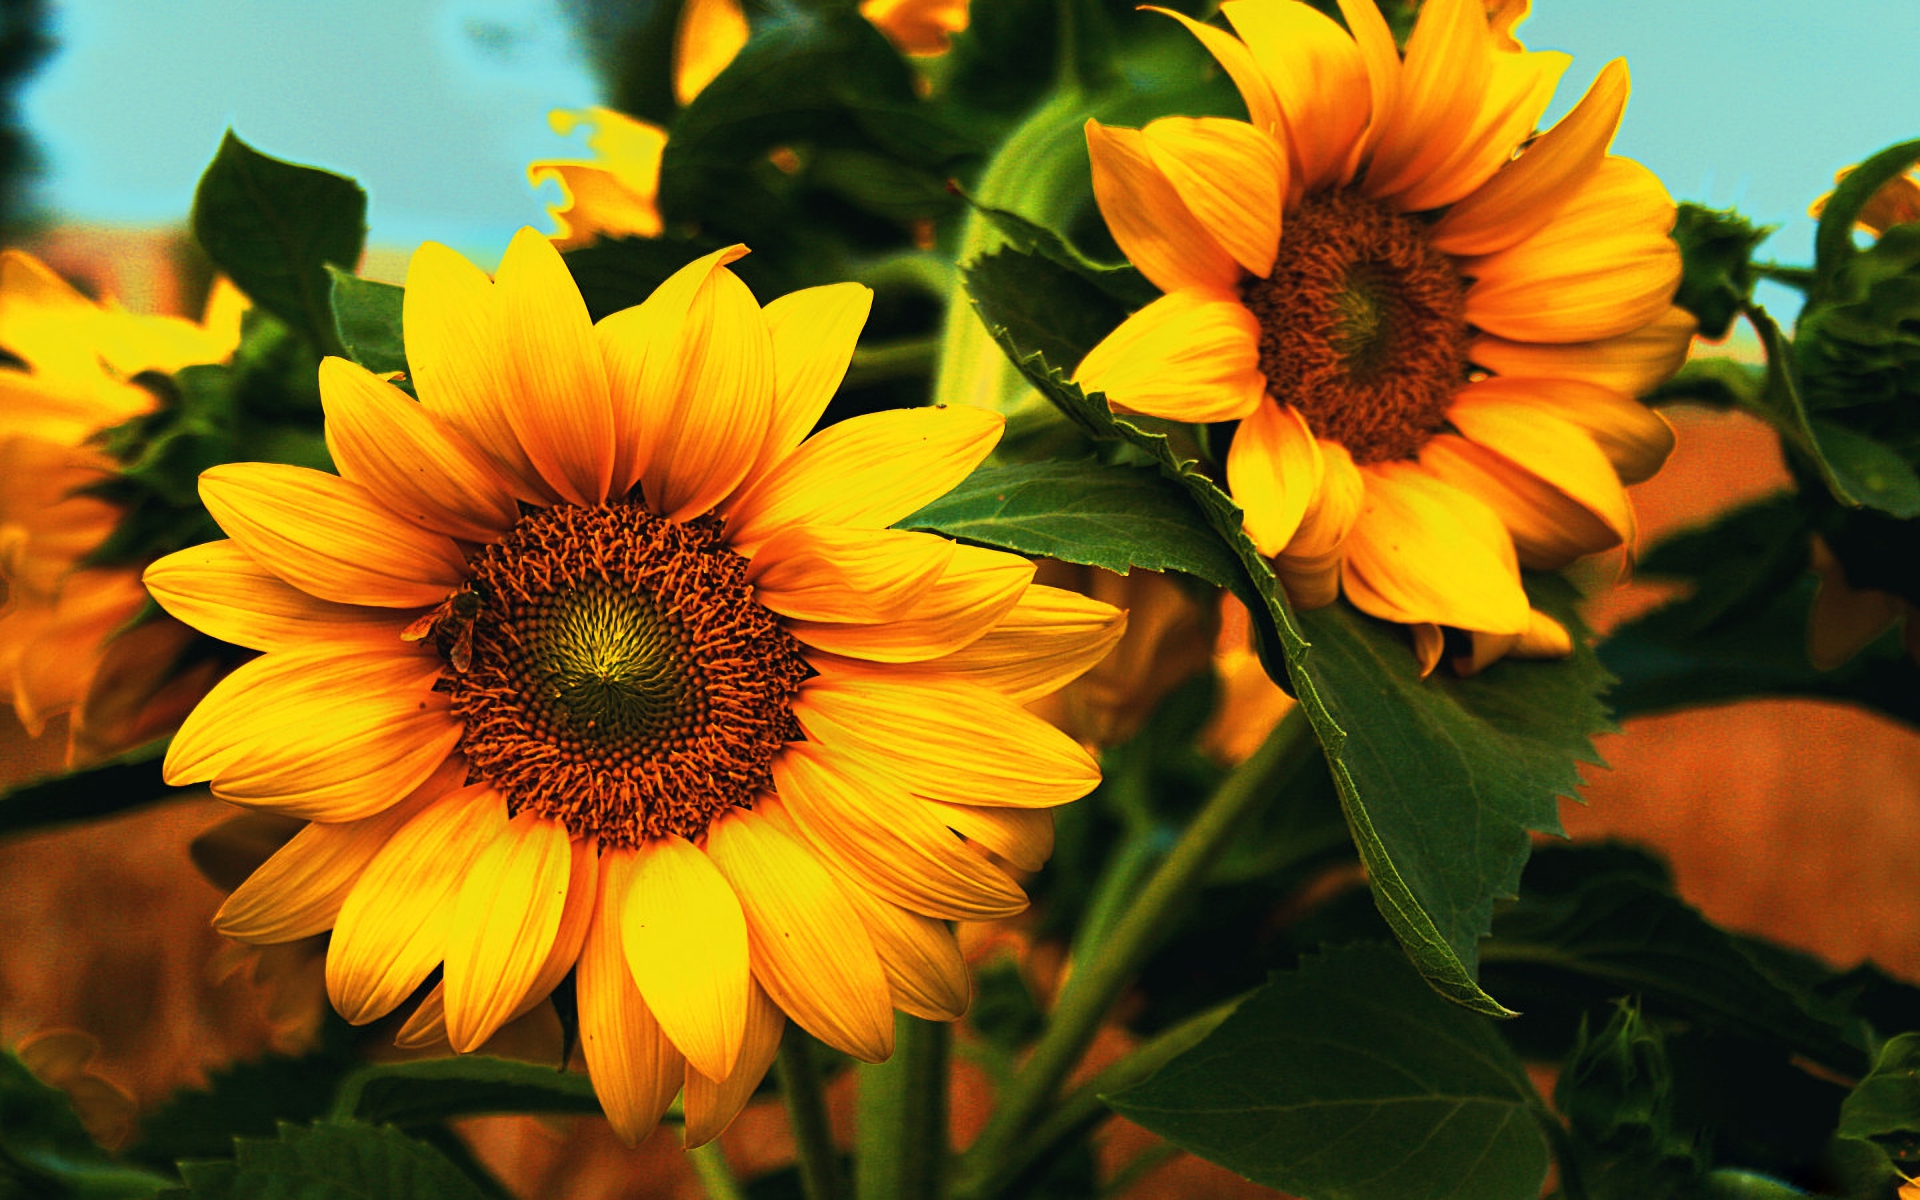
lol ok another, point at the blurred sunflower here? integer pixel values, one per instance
(65, 645)
(616, 192)
(588, 662)
(1432, 345)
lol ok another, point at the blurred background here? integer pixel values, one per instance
(112, 109)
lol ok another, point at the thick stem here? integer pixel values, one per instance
(711, 1166)
(807, 1112)
(1094, 984)
(901, 1144)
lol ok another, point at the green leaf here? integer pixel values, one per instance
(1716, 252)
(247, 1099)
(44, 1150)
(272, 226)
(1616, 1093)
(1887, 1101)
(332, 1160)
(1441, 779)
(1349, 1079)
(435, 1089)
(129, 781)
(366, 318)
(1096, 514)
(1043, 306)
(1833, 238)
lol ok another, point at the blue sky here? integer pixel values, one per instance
(437, 105)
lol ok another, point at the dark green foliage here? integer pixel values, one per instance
(1616, 1095)
(121, 783)
(366, 317)
(1716, 249)
(436, 1089)
(341, 1160)
(45, 1152)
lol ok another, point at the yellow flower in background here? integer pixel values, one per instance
(78, 360)
(616, 194)
(712, 32)
(1895, 202)
(1432, 346)
(538, 666)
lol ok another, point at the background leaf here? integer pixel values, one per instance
(435, 1089)
(272, 226)
(44, 1150)
(334, 1161)
(1348, 1079)
(366, 318)
(129, 781)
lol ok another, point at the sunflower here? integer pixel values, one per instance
(587, 662)
(62, 645)
(712, 32)
(616, 193)
(1431, 344)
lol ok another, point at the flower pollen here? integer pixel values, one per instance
(1362, 326)
(620, 677)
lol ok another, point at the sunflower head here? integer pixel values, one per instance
(1430, 324)
(591, 661)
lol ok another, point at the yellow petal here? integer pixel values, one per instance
(1424, 551)
(596, 202)
(1525, 194)
(891, 843)
(1429, 643)
(426, 1027)
(561, 411)
(947, 741)
(1190, 356)
(831, 573)
(1604, 265)
(1022, 836)
(810, 951)
(505, 918)
(1549, 528)
(412, 462)
(1545, 638)
(686, 944)
(1154, 227)
(1633, 363)
(1502, 16)
(1550, 446)
(1274, 472)
(1318, 78)
(977, 590)
(1234, 57)
(392, 930)
(636, 1070)
(866, 472)
(917, 27)
(1442, 87)
(710, 34)
(642, 348)
(218, 590)
(1382, 57)
(325, 735)
(299, 890)
(1048, 639)
(1517, 93)
(457, 352)
(1231, 177)
(926, 975)
(814, 332)
(330, 538)
(712, 1105)
(1310, 566)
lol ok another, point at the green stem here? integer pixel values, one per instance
(807, 1112)
(1094, 984)
(901, 1144)
(715, 1175)
(893, 360)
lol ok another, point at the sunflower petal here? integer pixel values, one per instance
(947, 741)
(978, 589)
(1519, 200)
(831, 573)
(1442, 89)
(1604, 266)
(1234, 58)
(712, 1105)
(1310, 566)
(1231, 177)
(887, 840)
(810, 951)
(686, 944)
(561, 411)
(218, 590)
(710, 34)
(505, 917)
(636, 1070)
(1319, 80)
(1048, 639)
(1633, 363)
(1022, 836)
(330, 538)
(1550, 529)
(392, 930)
(866, 472)
(925, 972)
(1422, 550)
(415, 465)
(1551, 447)
(1154, 227)
(1191, 355)
(1518, 92)
(814, 332)
(1382, 57)
(1274, 471)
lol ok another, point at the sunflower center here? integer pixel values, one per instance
(615, 673)
(1362, 326)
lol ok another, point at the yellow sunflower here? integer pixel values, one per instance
(1432, 343)
(77, 363)
(617, 192)
(592, 661)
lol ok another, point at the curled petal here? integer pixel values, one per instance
(1189, 356)
(1154, 227)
